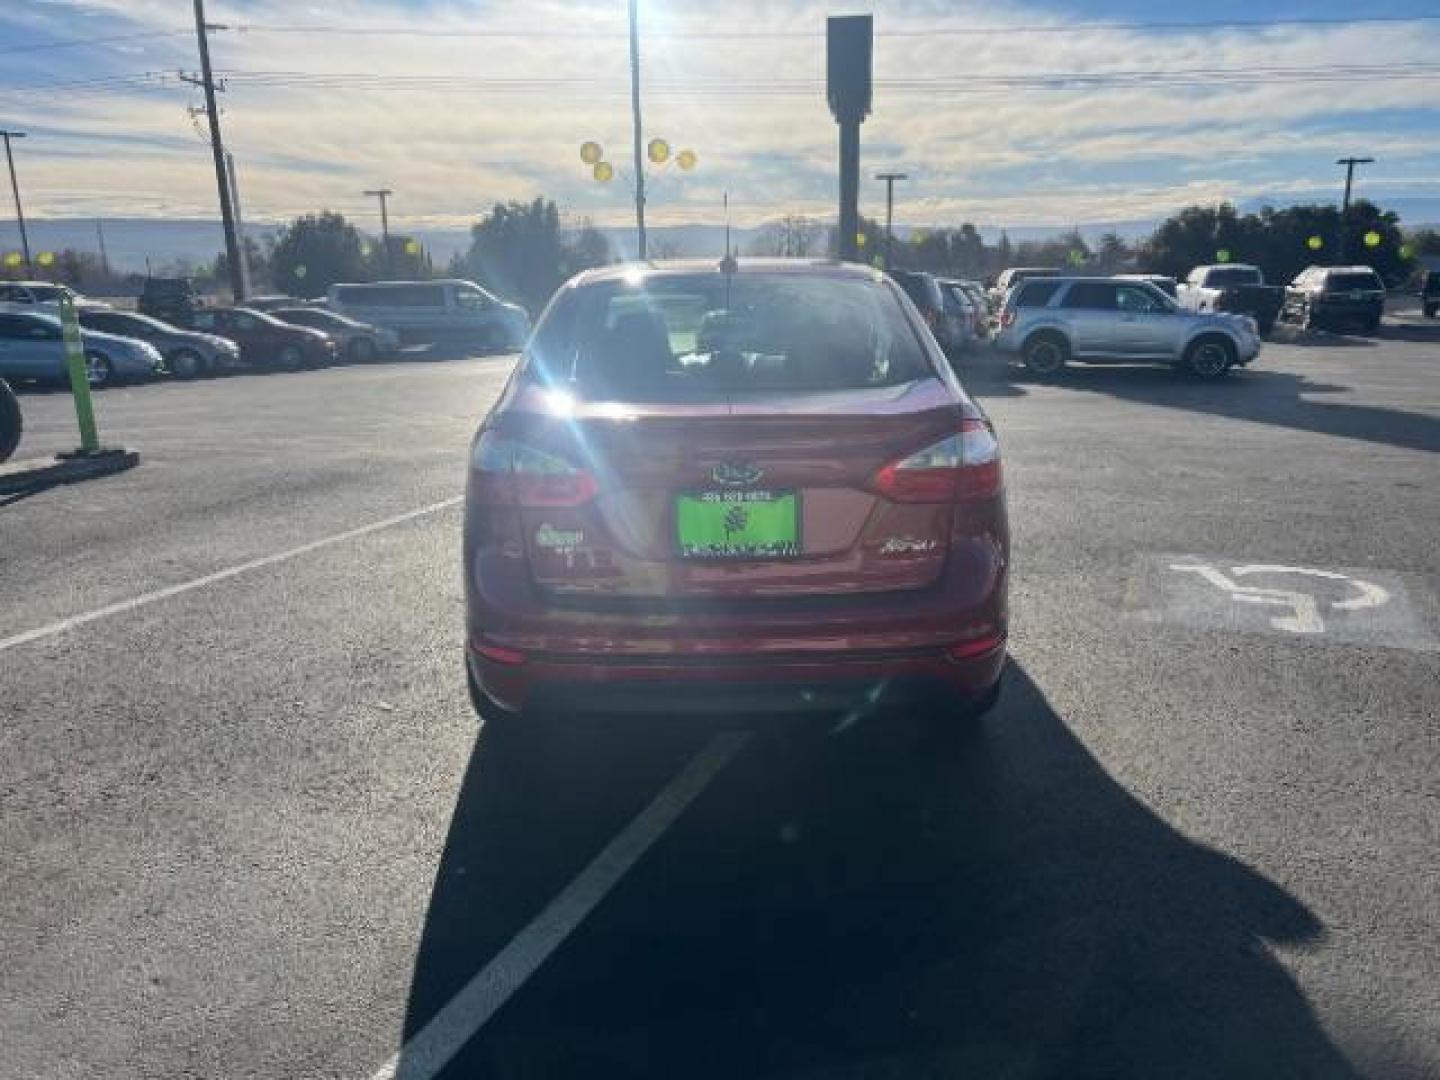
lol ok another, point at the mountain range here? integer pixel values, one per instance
(133, 244)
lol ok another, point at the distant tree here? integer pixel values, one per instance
(257, 259)
(315, 251)
(792, 236)
(407, 260)
(1068, 250)
(1196, 236)
(516, 251)
(584, 249)
(1004, 256)
(1112, 254)
(871, 244)
(1280, 242)
(1424, 241)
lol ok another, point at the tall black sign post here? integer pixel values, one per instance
(848, 40)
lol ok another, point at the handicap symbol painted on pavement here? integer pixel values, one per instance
(1304, 614)
(1334, 605)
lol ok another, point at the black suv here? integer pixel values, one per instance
(168, 299)
(1327, 297)
(1430, 293)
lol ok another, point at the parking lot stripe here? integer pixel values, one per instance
(166, 593)
(463, 1015)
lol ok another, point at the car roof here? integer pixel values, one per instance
(1348, 269)
(832, 268)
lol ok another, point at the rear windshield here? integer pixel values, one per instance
(1342, 282)
(1229, 276)
(698, 336)
(1035, 293)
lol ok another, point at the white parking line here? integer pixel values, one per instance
(166, 593)
(463, 1015)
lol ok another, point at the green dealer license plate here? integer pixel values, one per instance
(738, 524)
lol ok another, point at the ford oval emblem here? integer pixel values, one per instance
(736, 473)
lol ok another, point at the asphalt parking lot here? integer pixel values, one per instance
(250, 827)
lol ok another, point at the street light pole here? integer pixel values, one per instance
(890, 178)
(635, 111)
(15, 187)
(382, 194)
(1349, 163)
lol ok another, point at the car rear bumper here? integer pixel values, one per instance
(736, 685)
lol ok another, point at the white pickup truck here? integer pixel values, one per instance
(1233, 288)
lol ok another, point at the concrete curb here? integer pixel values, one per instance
(38, 473)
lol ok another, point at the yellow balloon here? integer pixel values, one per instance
(1222, 256)
(14, 258)
(46, 258)
(412, 247)
(603, 172)
(658, 151)
(300, 271)
(1372, 239)
(590, 152)
(1406, 251)
(686, 159)
(1315, 243)
(860, 239)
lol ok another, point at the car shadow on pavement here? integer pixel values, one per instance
(1258, 396)
(991, 907)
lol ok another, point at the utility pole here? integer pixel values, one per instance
(890, 178)
(217, 148)
(382, 194)
(15, 187)
(239, 222)
(1349, 163)
(100, 236)
(635, 112)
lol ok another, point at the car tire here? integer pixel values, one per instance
(1266, 328)
(1371, 326)
(362, 350)
(185, 364)
(1046, 355)
(1430, 310)
(99, 371)
(291, 358)
(1210, 357)
(12, 423)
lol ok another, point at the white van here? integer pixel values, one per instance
(430, 311)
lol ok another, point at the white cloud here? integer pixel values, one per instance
(1007, 156)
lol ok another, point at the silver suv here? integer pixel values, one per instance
(1052, 321)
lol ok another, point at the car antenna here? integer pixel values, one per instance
(728, 265)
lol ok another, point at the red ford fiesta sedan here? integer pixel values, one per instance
(745, 486)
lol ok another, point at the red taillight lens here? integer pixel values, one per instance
(506, 472)
(961, 466)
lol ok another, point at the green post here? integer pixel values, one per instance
(79, 378)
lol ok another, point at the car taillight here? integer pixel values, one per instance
(506, 472)
(961, 466)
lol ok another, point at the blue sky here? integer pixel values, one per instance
(463, 102)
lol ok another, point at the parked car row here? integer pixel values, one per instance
(130, 345)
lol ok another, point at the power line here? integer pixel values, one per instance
(929, 31)
(726, 86)
(745, 35)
